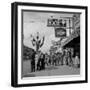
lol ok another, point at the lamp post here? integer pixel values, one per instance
(37, 42)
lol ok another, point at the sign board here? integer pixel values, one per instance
(56, 23)
(60, 32)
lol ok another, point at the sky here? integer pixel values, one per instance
(34, 22)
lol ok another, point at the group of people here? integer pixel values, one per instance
(40, 61)
(37, 62)
(66, 57)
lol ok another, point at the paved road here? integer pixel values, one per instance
(55, 70)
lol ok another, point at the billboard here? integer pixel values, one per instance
(60, 32)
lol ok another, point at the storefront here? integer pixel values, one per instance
(75, 44)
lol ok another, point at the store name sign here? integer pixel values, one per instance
(56, 23)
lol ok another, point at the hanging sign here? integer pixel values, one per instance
(60, 32)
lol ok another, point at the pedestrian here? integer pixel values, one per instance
(47, 59)
(69, 58)
(42, 61)
(39, 64)
(77, 61)
(33, 63)
(36, 60)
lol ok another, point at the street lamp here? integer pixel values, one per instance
(37, 42)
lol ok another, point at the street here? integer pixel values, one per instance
(55, 70)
